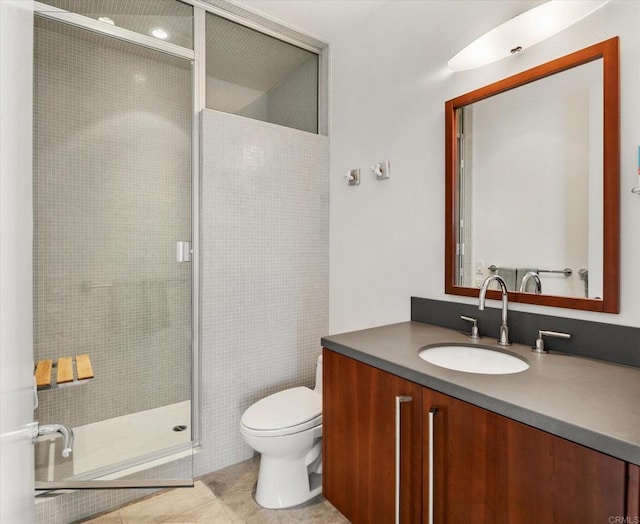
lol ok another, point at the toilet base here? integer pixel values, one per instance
(284, 482)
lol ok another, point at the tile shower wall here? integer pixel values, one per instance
(258, 76)
(112, 183)
(264, 271)
(292, 103)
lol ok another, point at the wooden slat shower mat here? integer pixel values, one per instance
(64, 372)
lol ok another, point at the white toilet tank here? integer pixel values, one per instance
(318, 388)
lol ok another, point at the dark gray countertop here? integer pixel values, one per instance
(591, 402)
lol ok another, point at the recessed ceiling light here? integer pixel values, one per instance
(106, 20)
(160, 33)
(523, 31)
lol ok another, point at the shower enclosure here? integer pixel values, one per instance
(112, 269)
(139, 106)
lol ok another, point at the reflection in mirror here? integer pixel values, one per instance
(533, 184)
(530, 164)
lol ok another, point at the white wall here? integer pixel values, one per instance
(390, 82)
(16, 357)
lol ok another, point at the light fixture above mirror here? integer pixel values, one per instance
(523, 31)
(510, 193)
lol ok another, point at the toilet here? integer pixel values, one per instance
(286, 428)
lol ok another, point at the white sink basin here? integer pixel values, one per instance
(473, 359)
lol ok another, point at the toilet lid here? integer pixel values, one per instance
(284, 409)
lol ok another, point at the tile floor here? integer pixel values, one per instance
(223, 497)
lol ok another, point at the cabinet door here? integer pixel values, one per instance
(465, 464)
(359, 442)
(556, 480)
(633, 491)
(489, 468)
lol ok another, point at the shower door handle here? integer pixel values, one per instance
(183, 251)
(399, 400)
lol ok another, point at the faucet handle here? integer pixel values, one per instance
(474, 327)
(539, 347)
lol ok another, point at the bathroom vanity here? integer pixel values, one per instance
(558, 442)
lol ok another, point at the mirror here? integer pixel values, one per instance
(532, 184)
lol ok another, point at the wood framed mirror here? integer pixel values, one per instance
(532, 184)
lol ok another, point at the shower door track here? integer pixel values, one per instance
(112, 484)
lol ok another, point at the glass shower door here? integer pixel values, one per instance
(112, 272)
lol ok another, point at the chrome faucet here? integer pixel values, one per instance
(525, 280)
(65, 431)
(504, 329)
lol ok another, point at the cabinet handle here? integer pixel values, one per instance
(432, 414)
(399, 400)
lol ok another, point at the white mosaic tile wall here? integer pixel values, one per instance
(258, 76)
(264, 270)
(294, 102)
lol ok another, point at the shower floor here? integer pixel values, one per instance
(103, 449)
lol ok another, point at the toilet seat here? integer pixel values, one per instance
(282, 432)
(283, 413)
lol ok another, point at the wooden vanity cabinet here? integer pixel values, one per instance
(488, 468)
(359, 442)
